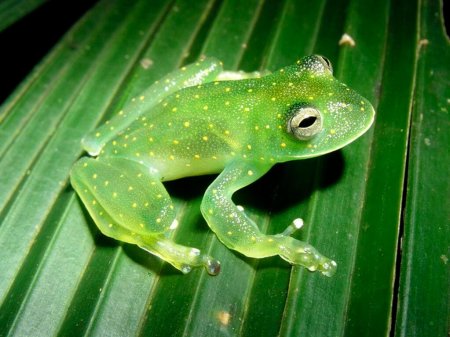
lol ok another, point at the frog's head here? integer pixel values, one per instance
(323, 114)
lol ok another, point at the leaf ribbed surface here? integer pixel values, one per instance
(379, 206)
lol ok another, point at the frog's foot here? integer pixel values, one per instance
(181, 257)
(301, 253)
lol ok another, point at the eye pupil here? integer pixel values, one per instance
(307, 122)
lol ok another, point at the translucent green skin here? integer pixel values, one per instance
(194, 122)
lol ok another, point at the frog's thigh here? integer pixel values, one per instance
(130, 205)
(194, 74)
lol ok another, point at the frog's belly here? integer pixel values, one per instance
(185, 168)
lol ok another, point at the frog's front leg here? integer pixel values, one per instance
(238, 232)
(129, 204)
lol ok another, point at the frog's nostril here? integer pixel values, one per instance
(307, 122)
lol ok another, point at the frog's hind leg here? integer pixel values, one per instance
(130, 205)
(203, 71)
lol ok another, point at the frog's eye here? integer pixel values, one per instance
(326, 62)
(305, 123)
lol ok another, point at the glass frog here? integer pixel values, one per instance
(202, 120)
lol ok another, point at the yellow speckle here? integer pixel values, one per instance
(142, 98)
(362, 108)
(139, 175)
(100, 213)
(311, 98)
(279, 116)
(177, 96)
(183, 68)
(227, 102)
(332, 131)
(216, 82)
(291, 84)
(205, 138)
(230, 233)
(150, 139)
(362, 102)
(146, 204)
(174, 109)
(267, 126)
(158, 220)
(330, 94)
(214, 157)
(142, 225)
(250, 90)
(250, 172)
(210, 126)
(196, 96)
(270, 240)
(210, 211)
(97, 134)
(130, 188)
(186, 124)
(94, 176)
(111, 128)
(197, 156)
(171, 157)
(273, 99)
(205, 107)
(110, 225)
(134, 205)
(246, 109)
(176, 142)
(226, 132)
(85, 164)
(120, 113)
(159, 196)
(164, 104)
(256, 127)
(249, 147)
(106, 182)
(114, 143)
(114, 194)
(283, 144)
(94, 202)
(227, 89)
(151, 153)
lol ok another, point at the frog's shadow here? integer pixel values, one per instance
(284, 186)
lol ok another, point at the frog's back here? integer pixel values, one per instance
(194, 131)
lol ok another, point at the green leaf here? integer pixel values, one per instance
(13, 10)
(370, 206)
